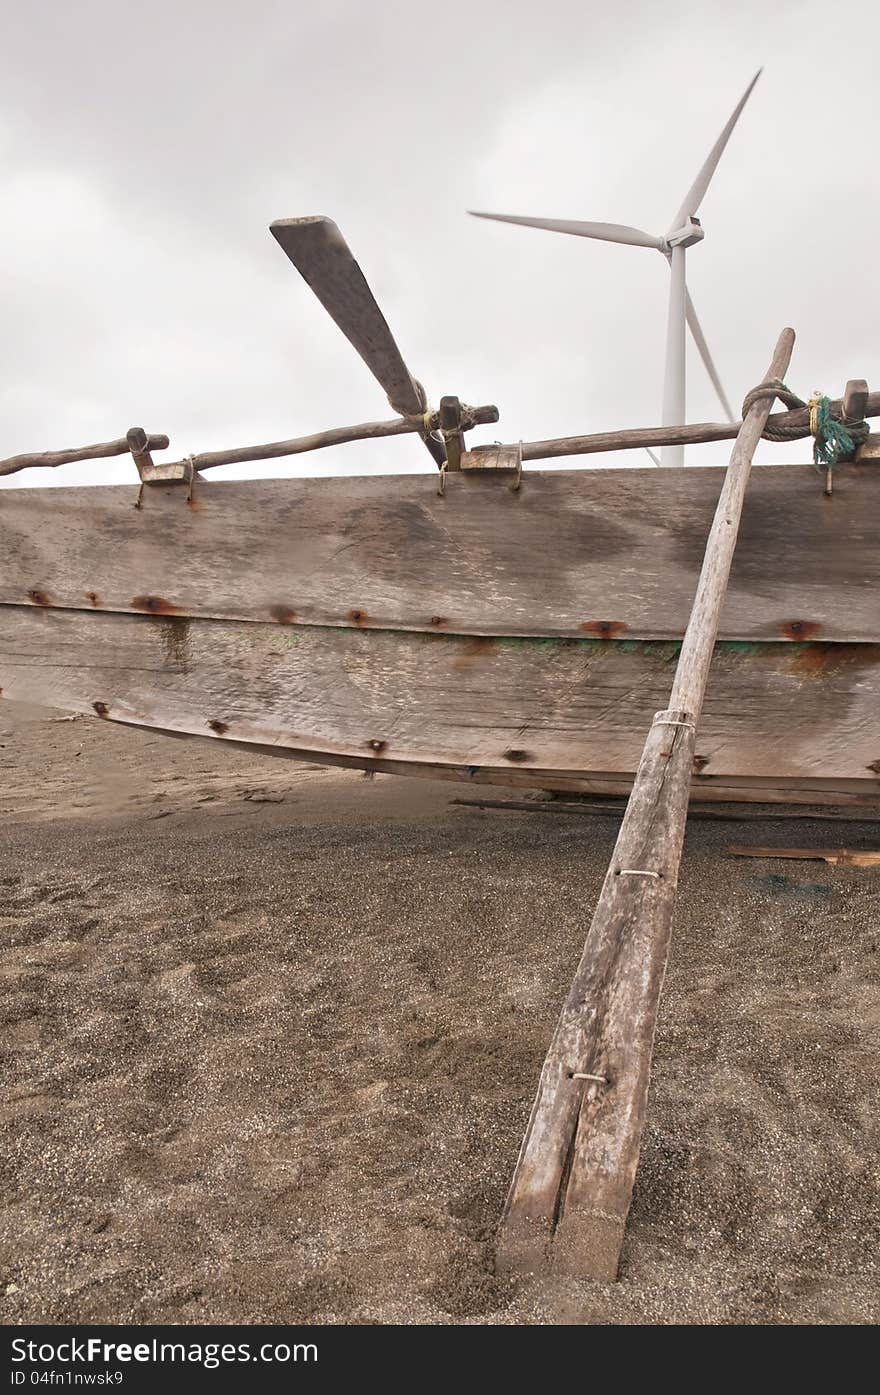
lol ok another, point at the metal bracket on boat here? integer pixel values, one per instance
(174, 472)
(454, 420)
(869, 449)
(506, 460)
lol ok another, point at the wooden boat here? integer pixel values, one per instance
(487, 635)
(499, 626)
(512, 627)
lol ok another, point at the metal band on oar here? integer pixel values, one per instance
(572, 1187)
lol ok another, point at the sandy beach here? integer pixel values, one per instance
(271, 1034)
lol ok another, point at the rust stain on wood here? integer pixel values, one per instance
(815, 660)
(438, 621)
(38, 597)
(359, 617)
(472, 649)
(175, 641)
(603, 629)
(283, 614)
(799, 629)
(154, 605)
(93, 598)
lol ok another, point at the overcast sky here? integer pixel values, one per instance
(146, 148)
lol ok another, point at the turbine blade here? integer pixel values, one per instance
(695, 194)
(700, 341)
(323, 258)
(604, 232)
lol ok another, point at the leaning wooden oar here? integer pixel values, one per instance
(572, 1187)
(323, 258)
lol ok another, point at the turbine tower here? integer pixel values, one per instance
(684, 232)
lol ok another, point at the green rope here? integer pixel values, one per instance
(831, 440)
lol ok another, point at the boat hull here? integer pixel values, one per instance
(467, 658)
(546, 712)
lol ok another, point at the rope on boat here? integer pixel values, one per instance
(834, 438)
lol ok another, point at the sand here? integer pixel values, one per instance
(271, 1035)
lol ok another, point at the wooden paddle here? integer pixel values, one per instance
(572, 1187)
(323, 258)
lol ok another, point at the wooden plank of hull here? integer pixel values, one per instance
(786, 711)
(855, 794)
(605, 553)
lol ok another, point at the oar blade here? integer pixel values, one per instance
(324, 260)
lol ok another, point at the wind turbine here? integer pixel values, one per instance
(685, 231)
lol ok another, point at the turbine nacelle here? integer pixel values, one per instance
(687, 235)
(686, 232)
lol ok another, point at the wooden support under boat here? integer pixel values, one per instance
(613, 809)
(841, 857)
(572, 1186)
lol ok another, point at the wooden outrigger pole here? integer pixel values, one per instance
(855, 406)
(572, 1187)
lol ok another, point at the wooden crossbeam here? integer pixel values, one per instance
(854, 403)
(52, 458)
